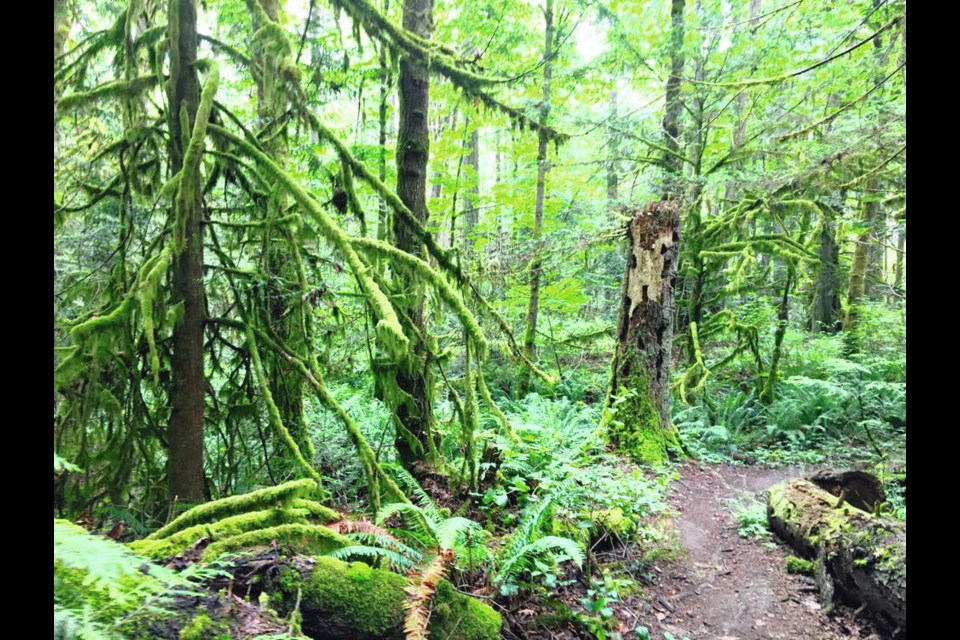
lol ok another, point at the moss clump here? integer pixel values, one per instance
(637, 429)
(203, 628)
(306, 537)
(800, 566)
(370, 603)
(614, 522)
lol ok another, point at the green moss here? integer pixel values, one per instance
(317, 511)
(272, 496)
(637, 429)
(800, 566)
(203, 628)
(614, 522)
(371, 602)
(115, 89)
(226, 528)
(306, 537)
(458, 616)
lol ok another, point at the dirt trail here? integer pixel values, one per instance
(729, 588)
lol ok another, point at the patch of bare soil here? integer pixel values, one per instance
(726, 587)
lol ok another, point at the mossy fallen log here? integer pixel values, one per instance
(859, 557)
(352, 601)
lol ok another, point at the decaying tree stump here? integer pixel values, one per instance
(862, 557)
(641, 368)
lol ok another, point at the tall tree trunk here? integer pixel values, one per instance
(898, 265)
(471, 201)
(856, 292)
(382, 210)
(613, 145)
(783, 314)
(185, 464)
(413, 405)
(826, 299)
(671, 115)
(61, 29)
(641, 365)
(543, 167)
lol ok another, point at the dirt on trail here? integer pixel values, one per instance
(726, 587)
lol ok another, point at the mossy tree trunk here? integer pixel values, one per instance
(641, 366)
(185, 463)
(768, 391)
(670, 125)
(857, 290)
(412, 401)
(826, 300)
(543, 167)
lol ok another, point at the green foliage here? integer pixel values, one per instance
(99, 585)
(751, 516)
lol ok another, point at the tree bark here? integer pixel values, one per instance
(861, 557)
(641, 365)
(185, 463)
(413, 406)
(826, 300)
(670, 125)
(783, 315)
(543, 167)
(471, 201)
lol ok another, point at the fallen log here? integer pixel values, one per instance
(860, 557)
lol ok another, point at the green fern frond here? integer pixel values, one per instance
(451, 531)
(520, 562)
(398, 561)
(412, 487)
(416, 517)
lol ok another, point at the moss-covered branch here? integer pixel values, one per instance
(281, 495)
(389, 331)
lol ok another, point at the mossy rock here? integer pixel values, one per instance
(352, 601)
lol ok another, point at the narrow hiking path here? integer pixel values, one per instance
(726, 587)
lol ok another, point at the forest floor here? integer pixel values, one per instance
(727, 587)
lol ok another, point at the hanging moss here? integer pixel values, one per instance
(446, 292)
(146, 294)
(283, 494)
(488, 399)
(694, 379)
(388, 328)
(303, 537)
(188, 191)
(274, 412)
